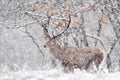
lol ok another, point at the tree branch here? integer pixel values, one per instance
(33, 40)
(99, 29)
(83, 31)
(95, 37)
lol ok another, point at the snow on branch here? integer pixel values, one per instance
(98, 38)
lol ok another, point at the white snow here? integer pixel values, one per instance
(57, 74)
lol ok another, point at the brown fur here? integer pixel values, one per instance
(72, 57)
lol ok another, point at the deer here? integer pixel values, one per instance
(73, 57)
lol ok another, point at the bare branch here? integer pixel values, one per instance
(17, 27)
(95, 37)
(33, 40)
(99, 29)
(39, 15)
(92, 7)
(83, 31)
(115, 31)
(113, 45)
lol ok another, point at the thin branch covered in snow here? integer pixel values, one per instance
(99, 29)
(83, 30)
(34, 41)
(95, 37)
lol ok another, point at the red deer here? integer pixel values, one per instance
(72, 57)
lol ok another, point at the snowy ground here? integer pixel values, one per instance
(57, 75)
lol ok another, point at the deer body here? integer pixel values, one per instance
(72, 57)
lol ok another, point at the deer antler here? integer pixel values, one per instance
(46, 30)
(64, 29)
(54, 37)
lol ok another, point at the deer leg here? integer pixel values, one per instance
(98, 60)
(88, 64)
(102, 63)
(71, 69)
(67, 67)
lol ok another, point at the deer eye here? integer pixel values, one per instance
(44, 46)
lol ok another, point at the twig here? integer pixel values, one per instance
(17, 27)
(117, 36)
(83, 31)
(95, 37)
(113, 45)
(33, 40)
(39, 15)
(92, 7)
(99, 30)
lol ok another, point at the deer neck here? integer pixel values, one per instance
(56, 51)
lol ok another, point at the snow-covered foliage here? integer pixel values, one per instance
(57, 74)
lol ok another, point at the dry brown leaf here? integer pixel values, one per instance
(55, 12)
(92, 7)
(105, 20)
(74, 24)
(53, 21)
(36, 7)
(74, 19)
(62, 23)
